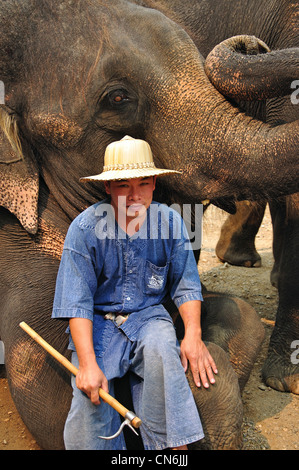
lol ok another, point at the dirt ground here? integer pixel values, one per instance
(270, 417)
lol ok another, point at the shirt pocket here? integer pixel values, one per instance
(155, 278)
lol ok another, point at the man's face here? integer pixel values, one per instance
(131, 197)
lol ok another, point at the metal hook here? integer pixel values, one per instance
(127, 422)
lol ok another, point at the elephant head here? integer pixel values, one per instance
(78, 76)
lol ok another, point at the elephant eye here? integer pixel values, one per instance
(117, 107)
(118, 97)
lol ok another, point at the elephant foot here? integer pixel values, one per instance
(237, 250)
(220, 407)
(281, 368)
(236, 244)
(274, 275)
(281, 375)
(247, 259)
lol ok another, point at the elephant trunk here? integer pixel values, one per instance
(221, 151)
(244, 68)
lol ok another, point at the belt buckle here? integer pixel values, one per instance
(117, 319)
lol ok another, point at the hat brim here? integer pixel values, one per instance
(116, 175)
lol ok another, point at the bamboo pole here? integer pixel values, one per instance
(136, 422)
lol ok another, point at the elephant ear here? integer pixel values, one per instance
(19, 177)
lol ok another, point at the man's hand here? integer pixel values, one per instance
(202, 365)
(193, 349)
(89, 379)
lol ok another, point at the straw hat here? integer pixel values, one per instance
(128, 158)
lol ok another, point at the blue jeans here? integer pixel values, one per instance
(161, 394)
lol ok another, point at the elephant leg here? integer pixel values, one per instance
(234, 334)
(220, 407)
(281, 368)
(236, 244)
(232, 324)
(278, 215)
(40, 389)
(39, 386)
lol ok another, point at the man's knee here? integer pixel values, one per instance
(159, 339)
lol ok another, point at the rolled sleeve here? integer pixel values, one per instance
(76, 281)
(184, 279)
(187, 297)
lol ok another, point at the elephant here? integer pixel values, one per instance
(274, 103)
(237, 246)
(77, 76)
(272, 98)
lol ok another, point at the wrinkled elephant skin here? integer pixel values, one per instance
(77, 76)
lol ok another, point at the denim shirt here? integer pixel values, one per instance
(103, 270)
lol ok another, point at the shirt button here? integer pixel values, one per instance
(130, 272)
(128, 298)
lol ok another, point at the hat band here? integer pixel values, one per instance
(129, 166)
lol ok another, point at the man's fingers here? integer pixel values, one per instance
(184, 361)
(209, 375)
(201, 364)
(91, 386)
(213, 365)
(209, 371)
(204, 379)
(196, 373)
(94, 397)
(205, 375)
